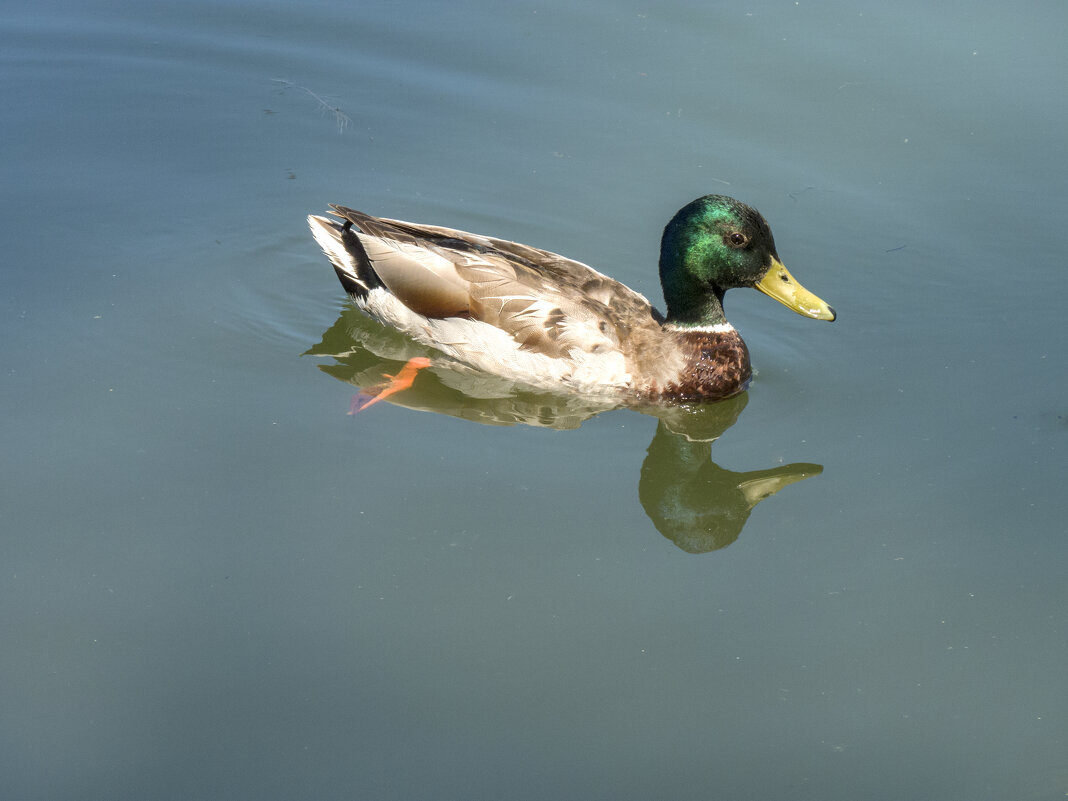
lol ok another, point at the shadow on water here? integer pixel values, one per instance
(691, 500)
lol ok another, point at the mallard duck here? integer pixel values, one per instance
(548, 322)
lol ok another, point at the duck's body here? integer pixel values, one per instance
(553, 323)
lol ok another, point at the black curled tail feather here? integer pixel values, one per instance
(366, 278)
(342, 245)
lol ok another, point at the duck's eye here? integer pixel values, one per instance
(737, 239)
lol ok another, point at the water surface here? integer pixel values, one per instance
(220, 585)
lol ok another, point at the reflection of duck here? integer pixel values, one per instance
(555, 324)
(691, 500)
(365, 353)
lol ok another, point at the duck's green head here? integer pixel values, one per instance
(717, 243)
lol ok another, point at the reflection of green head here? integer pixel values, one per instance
(693, 501)
(711, 245)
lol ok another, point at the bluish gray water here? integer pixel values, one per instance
(217, 584)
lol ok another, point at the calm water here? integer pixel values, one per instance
(218, 585)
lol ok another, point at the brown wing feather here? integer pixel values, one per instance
(421, 280)
(547, 302)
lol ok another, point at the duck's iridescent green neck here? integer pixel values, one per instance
(686, 309)
(689, 247)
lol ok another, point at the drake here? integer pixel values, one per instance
(548, 322)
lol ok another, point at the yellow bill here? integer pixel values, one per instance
(779, 284)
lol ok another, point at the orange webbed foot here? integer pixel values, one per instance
(402, 380)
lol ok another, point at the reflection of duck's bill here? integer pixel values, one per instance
(779, 284)
(765, 483)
